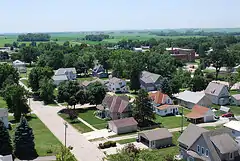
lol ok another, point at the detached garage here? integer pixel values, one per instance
(121, 126)
(158, 138)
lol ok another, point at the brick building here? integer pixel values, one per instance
(183, 54)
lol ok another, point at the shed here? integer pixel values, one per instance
(121, 126)
(224, 109)
(156, 138)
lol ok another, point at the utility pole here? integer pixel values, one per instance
(182, 121)
(65, 140)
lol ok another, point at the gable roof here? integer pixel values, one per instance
(116, 103)
(148, 77)
(197, 112)
(125, 122)
(18, 62)
(214, 88)
(188, 96)
(224, 143)
(98, 68)
(62, 71)
(158, 97)
(190, 135)
(235, 125)
(163, 107)
(115, 80)
(156, 134)
(236, 96)
(60, 77)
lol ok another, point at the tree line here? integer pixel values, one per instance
(99, 37)
(34, 37)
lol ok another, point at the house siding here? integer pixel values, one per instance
(166, 111)
(235, 102)
(163, 142)
(221, 99)
(127, 129)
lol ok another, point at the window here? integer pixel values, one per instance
(165, 111)
(202, 150)
(198, 149)
(231, 156)
(207, 152)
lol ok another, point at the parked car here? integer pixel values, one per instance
(228, 115)
(216, 117)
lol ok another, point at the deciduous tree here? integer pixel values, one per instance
(46, 91)
(96, 93)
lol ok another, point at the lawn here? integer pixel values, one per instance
(85, 79)
(125, 141)
(88, 116)
(234, 109)
(25, 82)
(25, 75)
(78, 125)
(171, 121)
(232, 92)
(44, 139)
(3, 103)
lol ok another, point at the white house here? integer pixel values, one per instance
(234, 126)
(6, 158)
(64, 74)
(20, 66)
(217, 93)
(235, 99)
(4, 116)
(189, 99)
(117, 85)
(167, 110)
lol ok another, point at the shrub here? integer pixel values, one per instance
(49, 151)
(107, 144)
(113, 144)
(101, 146)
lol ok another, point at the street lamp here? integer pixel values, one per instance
(66, 126)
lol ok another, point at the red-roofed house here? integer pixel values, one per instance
(167, 110)
(124, 125)
(114, 107)
(200, 114)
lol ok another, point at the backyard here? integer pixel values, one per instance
(46, 143)
(234, 109)
(87, 114)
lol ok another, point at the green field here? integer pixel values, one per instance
(45, 141)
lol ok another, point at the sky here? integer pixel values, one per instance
(98, 15)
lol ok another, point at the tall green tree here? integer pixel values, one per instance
(37, 74)
(5, 140)
(24, 146)
(65, 155)
(29, 54)
(142, 111)
(7, 71)
(165, 87)
(96, 93)
(66, 90)
(46, 91)
(198, 82)
(16, 98)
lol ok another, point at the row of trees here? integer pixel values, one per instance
(99, 37)
(23, 147)
(34, 37)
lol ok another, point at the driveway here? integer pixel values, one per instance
(103, 133)
(82, 148)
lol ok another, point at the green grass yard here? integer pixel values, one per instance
(125, 141)
(86, 79)
(232, 92)
(88, 115)
(78, 125)
(44, 139)
(171, 121)
(3, 103)
(25, 82)
(234, 109)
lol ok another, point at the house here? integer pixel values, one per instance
(200, 114)
(87, 83)
(189, 99)
(114, 107)
(236, 86)
(124, 125)
(6, 158)
(150, 81)
(141, 49)
(165, 110)
(20, 66)
(4, 116)
(235, 99)
(217, 93)
(234, 126)
(117, 85)
(157, 138)
(64, 74)
(99, 71)
(158, 98)
(182, 54)
(199, 144)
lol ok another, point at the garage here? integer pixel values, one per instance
(124, 125)
(157, 138)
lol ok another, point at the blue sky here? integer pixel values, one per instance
(92, 15)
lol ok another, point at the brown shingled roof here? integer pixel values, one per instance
(124, 122)
(116, 103)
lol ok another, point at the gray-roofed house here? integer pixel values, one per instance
(99, 71)
(20, 66)
(4, 116)
(217, 93)
(157, 138)
(235, 99)
(117, 85)
(150, 81)
(124, 125)
(189, 99)
(196, 143)
(64, 74)
(114, 107)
